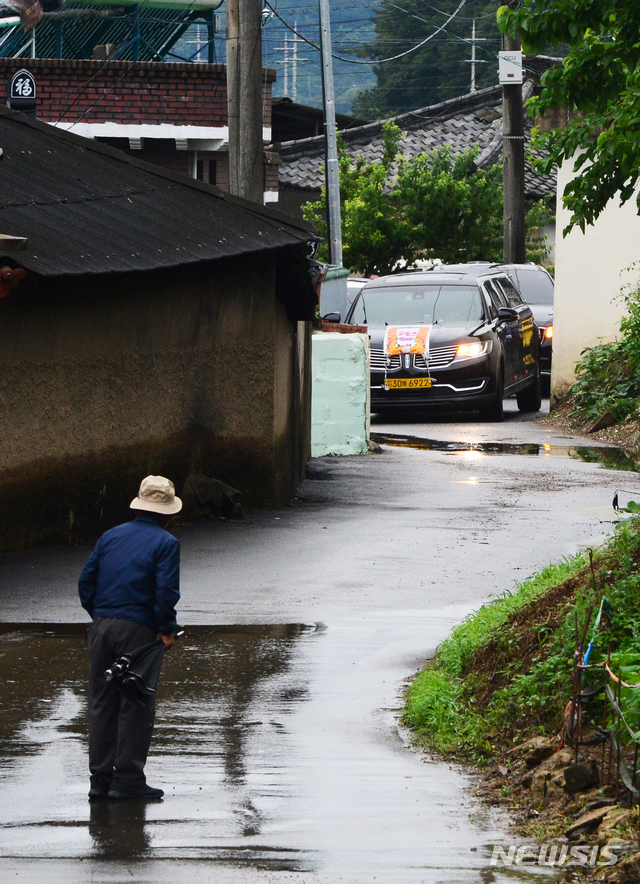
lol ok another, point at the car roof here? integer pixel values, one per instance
(461, 273)
(530, 267)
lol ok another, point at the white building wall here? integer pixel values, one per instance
(591, 269)
(339, 394)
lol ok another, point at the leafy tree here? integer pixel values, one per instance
(453, 210)
(437, 71)
(374, 232)
(598, 83)
(434, 206)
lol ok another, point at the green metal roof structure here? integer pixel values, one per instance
(141, 32)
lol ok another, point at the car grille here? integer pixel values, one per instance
(439, 357)
(379, 361)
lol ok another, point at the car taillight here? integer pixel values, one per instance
(545, 333)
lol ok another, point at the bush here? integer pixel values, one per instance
(608, 375)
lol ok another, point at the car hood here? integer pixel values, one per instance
(542, 314)
(438, 336)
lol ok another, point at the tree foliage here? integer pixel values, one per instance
(598, 83)
(437, 71)
(438, 205)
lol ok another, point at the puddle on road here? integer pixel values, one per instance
(245, 785)
(609, 457)
(209, 747)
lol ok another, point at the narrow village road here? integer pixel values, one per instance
(277, 739)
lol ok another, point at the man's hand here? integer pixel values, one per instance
(169, 641)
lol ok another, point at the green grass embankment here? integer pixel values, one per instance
(506, 672)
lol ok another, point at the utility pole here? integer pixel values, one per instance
(294, 91)
(474, 61)
(285, 60)
(331, 142)
(473, 57)
(513, 158)
(290, 57)
(244, 98)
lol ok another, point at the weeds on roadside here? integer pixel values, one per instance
(505, 673)
(608, 375)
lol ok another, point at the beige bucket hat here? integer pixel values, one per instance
(157, 495)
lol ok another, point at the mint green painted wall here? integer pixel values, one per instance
(340, 394)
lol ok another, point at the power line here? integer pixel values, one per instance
(419, 18)
(464, 17)
(379, 60)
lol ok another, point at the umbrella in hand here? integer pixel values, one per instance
(137, 673)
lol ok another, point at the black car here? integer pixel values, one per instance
(536, 287)
(535, 284)
(458, 340)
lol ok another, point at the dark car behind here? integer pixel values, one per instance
(536, 286)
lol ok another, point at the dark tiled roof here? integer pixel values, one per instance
(463, 123)
(88, 208)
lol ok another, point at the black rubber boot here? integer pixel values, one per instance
(147, 793)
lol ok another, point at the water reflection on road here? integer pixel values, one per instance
(273, 745)
(209, 748)
(609, 456)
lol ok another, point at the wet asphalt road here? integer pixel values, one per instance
(277, 740)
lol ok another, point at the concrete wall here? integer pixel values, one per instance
(340, 394)
(591, 269)
(333, 293)
(104, 381)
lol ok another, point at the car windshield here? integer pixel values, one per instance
(419, 305)
(535, 287)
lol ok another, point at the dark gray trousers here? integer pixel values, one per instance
(119, 731)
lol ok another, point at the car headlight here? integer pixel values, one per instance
(548, 332)
(477, 348)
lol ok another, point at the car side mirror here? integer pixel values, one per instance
(331, 317)
(508, 314)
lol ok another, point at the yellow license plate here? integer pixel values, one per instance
(407, 383)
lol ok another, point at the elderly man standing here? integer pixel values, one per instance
(129, 587)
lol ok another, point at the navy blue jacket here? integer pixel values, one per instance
(134, 574)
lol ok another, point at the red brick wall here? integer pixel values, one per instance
(121, 92)
(222, 171)
(272, 163)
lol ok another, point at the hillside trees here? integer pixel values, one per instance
(437, 71)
